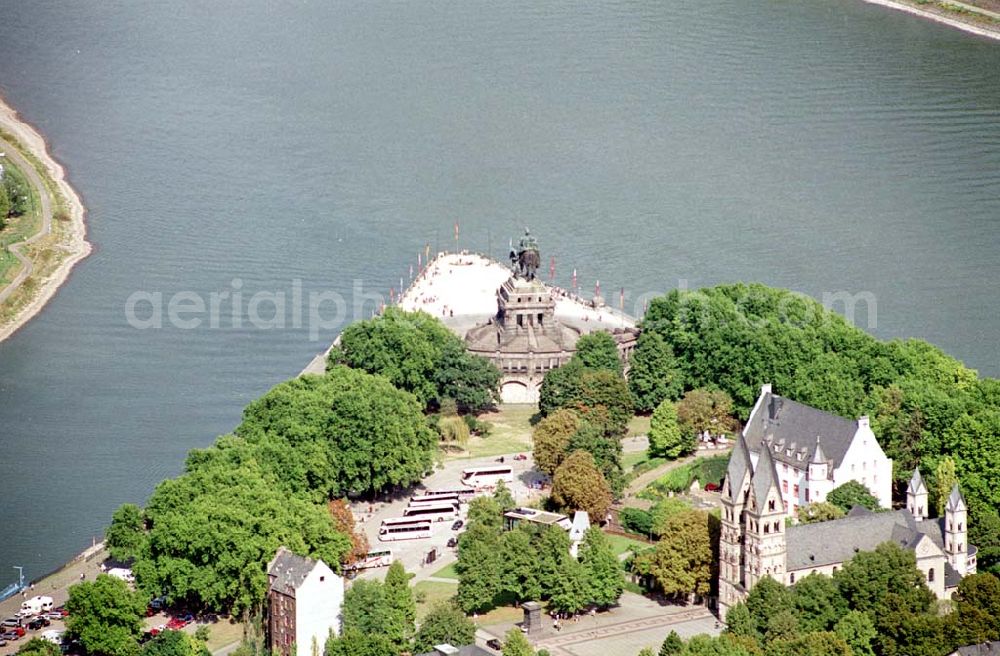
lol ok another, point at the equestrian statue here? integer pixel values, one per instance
(525, 260)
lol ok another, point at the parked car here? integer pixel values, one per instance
(494, 644)
(61, 610)
(12, 621)
(521, 456)
(712, 487)
(457, 525)
(452, 541)
(9, 636)
(19, 630)
(53, 615)
(39, 622)
(3, 643)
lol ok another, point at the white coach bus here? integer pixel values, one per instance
(404, 528)
(438, 512)
(481, 478)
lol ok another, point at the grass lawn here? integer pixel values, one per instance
(446, 572)
(638, 425)
(511, 433)
(223, 633)
(621, 544)
(429, 593)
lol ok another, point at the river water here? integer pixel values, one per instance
(823, 146)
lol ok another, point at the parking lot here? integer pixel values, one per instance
(413, 553)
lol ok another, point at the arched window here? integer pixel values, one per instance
(770, 504)
(930, 575)
(791, 577)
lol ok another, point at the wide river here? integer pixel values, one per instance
(824, 146)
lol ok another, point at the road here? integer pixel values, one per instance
(35, 180)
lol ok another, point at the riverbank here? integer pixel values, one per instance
(959, 15)
(47, 256)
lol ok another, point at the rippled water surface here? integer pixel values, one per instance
(824, 146)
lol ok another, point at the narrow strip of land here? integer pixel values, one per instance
(27, 266)
(954, 14)
(46, 257)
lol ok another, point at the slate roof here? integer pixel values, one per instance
(916, 485)
(836, 541)
(955, 500)
(287, 571)
(738, 468)
(765, 478)
(790, 424)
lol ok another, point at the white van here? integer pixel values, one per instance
(53, 636)
(36, 605)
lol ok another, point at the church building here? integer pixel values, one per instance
(754, 540)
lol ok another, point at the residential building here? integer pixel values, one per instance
(304, 603)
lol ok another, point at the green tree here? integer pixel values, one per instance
(472, 381)
(578, 485)
(706, 411)
(606, 451)
(560, 388)
(819, 511)
(945, 479)
(368, 610)
(850, 494)
(503, 497)
(553, 557)
(653, 372)
(817, 603)
(106, 616)
(174, 643)
(519, 560)
(858, 631)
(454, 430)
(571, 592)
(819, 643)
(598, 350)
(647, 651)
(354, 642)
(681, 563)
(665, 439)
(672, 645)
(870, 576)
(479, 565)
(445, 624)
(214, 529)
(977, 609)
(598, 395)
(601, 568)
(315, 433)
(767, 598)
(551, 439)
(5, 208)
(515, 644)
(37, 646)
(781, 626)
(739, 622)
(399, 599)
(127, 533)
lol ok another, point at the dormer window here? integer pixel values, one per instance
(770, 504)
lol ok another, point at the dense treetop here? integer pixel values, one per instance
(417, 353)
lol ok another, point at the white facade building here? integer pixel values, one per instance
(815, 451)
(304, 604)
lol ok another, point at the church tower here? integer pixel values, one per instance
(916, 496)
(765, 523)
(732, 557)
(819, 477)
(955, 531)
